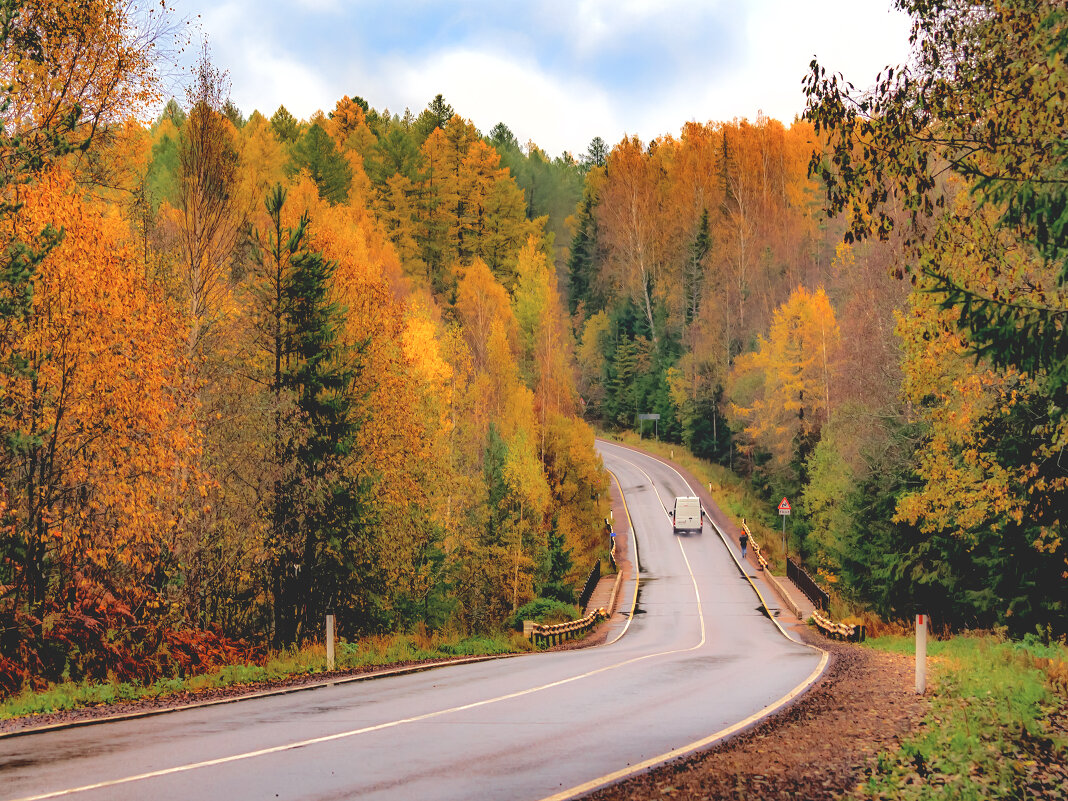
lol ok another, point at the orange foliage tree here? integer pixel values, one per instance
(103, 432)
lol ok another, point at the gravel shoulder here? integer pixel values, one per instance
(821, 747)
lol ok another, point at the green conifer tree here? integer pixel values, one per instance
(320, 533)
(316, 153)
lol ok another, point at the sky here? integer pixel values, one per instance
(556, 73)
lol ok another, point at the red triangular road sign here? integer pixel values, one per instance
(784, 505)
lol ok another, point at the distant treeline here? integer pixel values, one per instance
(883, 341)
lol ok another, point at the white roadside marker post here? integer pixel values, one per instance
(329, 642)
(921, 654)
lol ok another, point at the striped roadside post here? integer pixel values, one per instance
(921, 654)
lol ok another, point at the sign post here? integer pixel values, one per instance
(921, 654)
(784, 510)
(656, 424)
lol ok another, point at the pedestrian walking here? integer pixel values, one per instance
(744, 542)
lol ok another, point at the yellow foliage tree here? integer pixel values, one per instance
(104, 430)
(782, 390)
(483, 304)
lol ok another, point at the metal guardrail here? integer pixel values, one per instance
(838, 631)
(556, 633)
(799, 576)
(590, 585)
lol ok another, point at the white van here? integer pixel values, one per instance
(687, 517)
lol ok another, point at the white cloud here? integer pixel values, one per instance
(855, 38)
(595, 23)
(268, 79)
(488, 88)
(556, 75)
(263, 73)
(777, 41)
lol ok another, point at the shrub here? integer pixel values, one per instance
(545, 610)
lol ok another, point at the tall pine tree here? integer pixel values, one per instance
(320, 544)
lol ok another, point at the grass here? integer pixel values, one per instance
(310, 660)
(988, 734)
(731, 492)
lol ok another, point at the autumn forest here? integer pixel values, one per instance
(254, 369)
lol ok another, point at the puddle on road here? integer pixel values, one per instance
(638, 603)
(15, 764)
(774, 612)
(41, 758)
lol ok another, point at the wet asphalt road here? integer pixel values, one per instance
(697, 656)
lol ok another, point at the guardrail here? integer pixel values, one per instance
(590, 585)
(556, 633)
(762, 563)
(838, 631)
(799, 576)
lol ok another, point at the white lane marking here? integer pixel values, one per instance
(718, 531)
(634, 549)
(693, 578)
(696, 590)
(704, 742)
(390, 724)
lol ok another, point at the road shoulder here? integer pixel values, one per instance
(818, 748)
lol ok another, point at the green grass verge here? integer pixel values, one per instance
(731, 492)
(988, 734)
(369, 652)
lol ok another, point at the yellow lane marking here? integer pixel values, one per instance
(634, 542)
(704, 742)
(674, 753)
(390, 724)
(718, 531)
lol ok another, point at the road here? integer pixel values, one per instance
(696, 657)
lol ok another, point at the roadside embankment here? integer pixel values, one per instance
(993, 725)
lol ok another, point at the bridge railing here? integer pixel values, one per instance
(799, 576)
(590, 585)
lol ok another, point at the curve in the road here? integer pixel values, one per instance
(719, 531)
(524, 728)
(723, 734)
(634, 559)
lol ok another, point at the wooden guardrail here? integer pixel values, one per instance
(555, 633)
(838, 631)
(762, 563)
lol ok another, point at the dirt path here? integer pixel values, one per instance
(816, 749)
